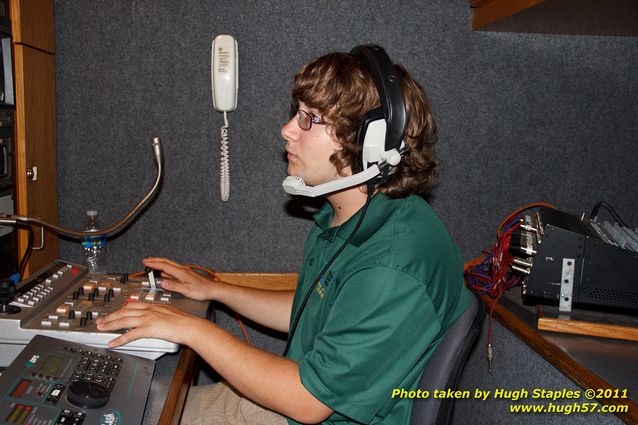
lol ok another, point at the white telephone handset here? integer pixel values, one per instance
(224, 78)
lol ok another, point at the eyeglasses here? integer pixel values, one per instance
(305, 119)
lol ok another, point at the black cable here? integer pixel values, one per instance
(27, 252)
(323, 271)
(594, 212)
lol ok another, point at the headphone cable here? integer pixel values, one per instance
(370, 185)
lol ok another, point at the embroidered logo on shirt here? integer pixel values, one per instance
(323, 283)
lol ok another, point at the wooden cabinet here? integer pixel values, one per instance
(35, 139)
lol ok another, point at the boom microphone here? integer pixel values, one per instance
(294, 185)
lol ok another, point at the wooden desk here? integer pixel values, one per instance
(185, 373)
(590, 362)
(187, 366)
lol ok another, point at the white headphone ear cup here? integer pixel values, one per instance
(373, 142)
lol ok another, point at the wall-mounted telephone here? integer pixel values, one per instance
(224, 78)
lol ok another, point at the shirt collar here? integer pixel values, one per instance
(380, 208)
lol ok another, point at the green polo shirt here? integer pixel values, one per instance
(376, 316)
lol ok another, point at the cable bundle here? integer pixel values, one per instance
(492, 273)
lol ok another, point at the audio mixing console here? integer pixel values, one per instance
(58, 382)
(62, 301)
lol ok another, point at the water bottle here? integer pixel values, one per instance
(94, 247)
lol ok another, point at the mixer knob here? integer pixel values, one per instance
(107, 298)
(71, 314)
(82, 322)
(81, 290)
(88, 395)
(76, 295)
(91, 296)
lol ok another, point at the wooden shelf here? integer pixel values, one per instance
(582, 375)
(573, 17)
(592, 323)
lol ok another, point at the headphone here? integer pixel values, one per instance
(381, 132)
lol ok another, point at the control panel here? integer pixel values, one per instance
(53, 381)
(62, 300)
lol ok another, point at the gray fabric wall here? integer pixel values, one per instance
(522, 118)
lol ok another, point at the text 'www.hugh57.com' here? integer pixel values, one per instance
(544, 401)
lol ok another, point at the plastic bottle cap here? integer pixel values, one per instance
(91, 213)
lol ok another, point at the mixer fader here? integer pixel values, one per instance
(62, 300)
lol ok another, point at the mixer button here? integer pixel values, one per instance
(134, 297)
(48, 280)
(31, 302)
(45, 322)
(146, 284)
(65, 324)
(63, 420)
(22, 300)
(53, 317)
(150, 296)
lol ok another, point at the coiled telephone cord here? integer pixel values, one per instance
(224, 183)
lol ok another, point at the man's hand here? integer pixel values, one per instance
(180, 278)
(148, 320)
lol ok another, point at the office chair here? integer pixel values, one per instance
(444, 369)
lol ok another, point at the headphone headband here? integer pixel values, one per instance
(390, 91)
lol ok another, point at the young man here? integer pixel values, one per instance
(389, 284)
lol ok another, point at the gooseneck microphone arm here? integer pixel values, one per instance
(157, 153)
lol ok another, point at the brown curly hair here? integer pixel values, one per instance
(341, 88)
